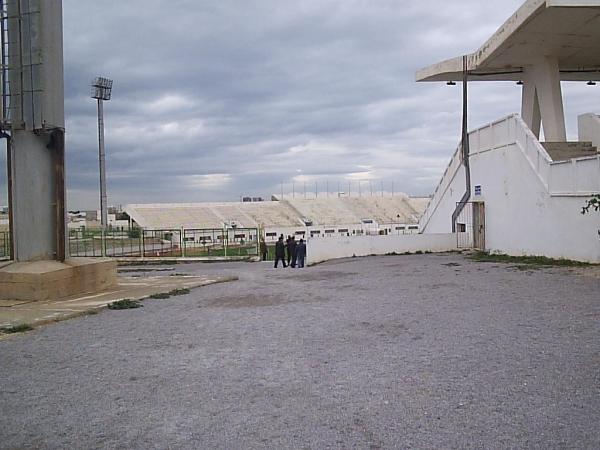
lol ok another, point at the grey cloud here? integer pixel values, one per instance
(213, 100)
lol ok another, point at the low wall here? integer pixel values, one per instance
(589, 128)
(324, 249)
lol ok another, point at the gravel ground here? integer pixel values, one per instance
(424, 351)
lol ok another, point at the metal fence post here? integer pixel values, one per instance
(182, 238)
(258, 242)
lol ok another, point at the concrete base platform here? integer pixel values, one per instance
(44, 312)
(52, 280)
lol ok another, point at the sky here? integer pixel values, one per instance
(214, 100)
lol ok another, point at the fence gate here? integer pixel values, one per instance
(470, 225)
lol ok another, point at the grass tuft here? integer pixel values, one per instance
(125, 304)
(19, 328)
(180, 291)
(531, 260)
(160, 295)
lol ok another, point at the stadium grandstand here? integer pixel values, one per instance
(301, 217)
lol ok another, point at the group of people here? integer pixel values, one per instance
(296, 252)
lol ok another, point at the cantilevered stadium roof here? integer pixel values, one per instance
(568, 30)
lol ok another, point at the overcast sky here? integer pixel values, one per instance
(222, 98)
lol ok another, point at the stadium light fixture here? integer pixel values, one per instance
(102, 91)
(102, 88)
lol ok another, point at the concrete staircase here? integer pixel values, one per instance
(563, 151)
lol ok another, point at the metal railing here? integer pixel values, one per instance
(4, 245)
(164, 243)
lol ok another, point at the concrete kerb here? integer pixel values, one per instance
(36, 314)
(184, 260)
(449, 252)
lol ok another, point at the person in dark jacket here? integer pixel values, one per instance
(292, 244)
(287, 249)
(280, 252)
(301, 253)
(264, 251)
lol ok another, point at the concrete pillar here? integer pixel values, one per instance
(36, 116)
(34, 197)
(542, 95)
(530, 107)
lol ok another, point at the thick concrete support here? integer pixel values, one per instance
(52, 280)
(36, 120)
(37, 197)
(542, 100)
(530, 108)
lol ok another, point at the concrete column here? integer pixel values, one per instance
(33, 197)
(542, 92)
(35, 73)
(530, 107)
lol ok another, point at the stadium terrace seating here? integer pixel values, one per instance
(289, 213)
(347, 210)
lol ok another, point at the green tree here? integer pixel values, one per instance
(592, 204)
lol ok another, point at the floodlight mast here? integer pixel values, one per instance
(101, 91)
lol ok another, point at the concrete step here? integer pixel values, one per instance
(562, 151)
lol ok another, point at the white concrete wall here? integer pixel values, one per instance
(354, 229)
(589, 128)
(319, 250)
(533, 206)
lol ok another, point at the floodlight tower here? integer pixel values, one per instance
(102, 91)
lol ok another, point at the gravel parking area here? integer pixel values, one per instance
(423, 351)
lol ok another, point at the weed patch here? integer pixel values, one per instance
(20, 328)
(160, 295)
(125, 304)
(179, 292)
(529, 260)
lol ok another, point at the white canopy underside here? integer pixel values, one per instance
(568, 30)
